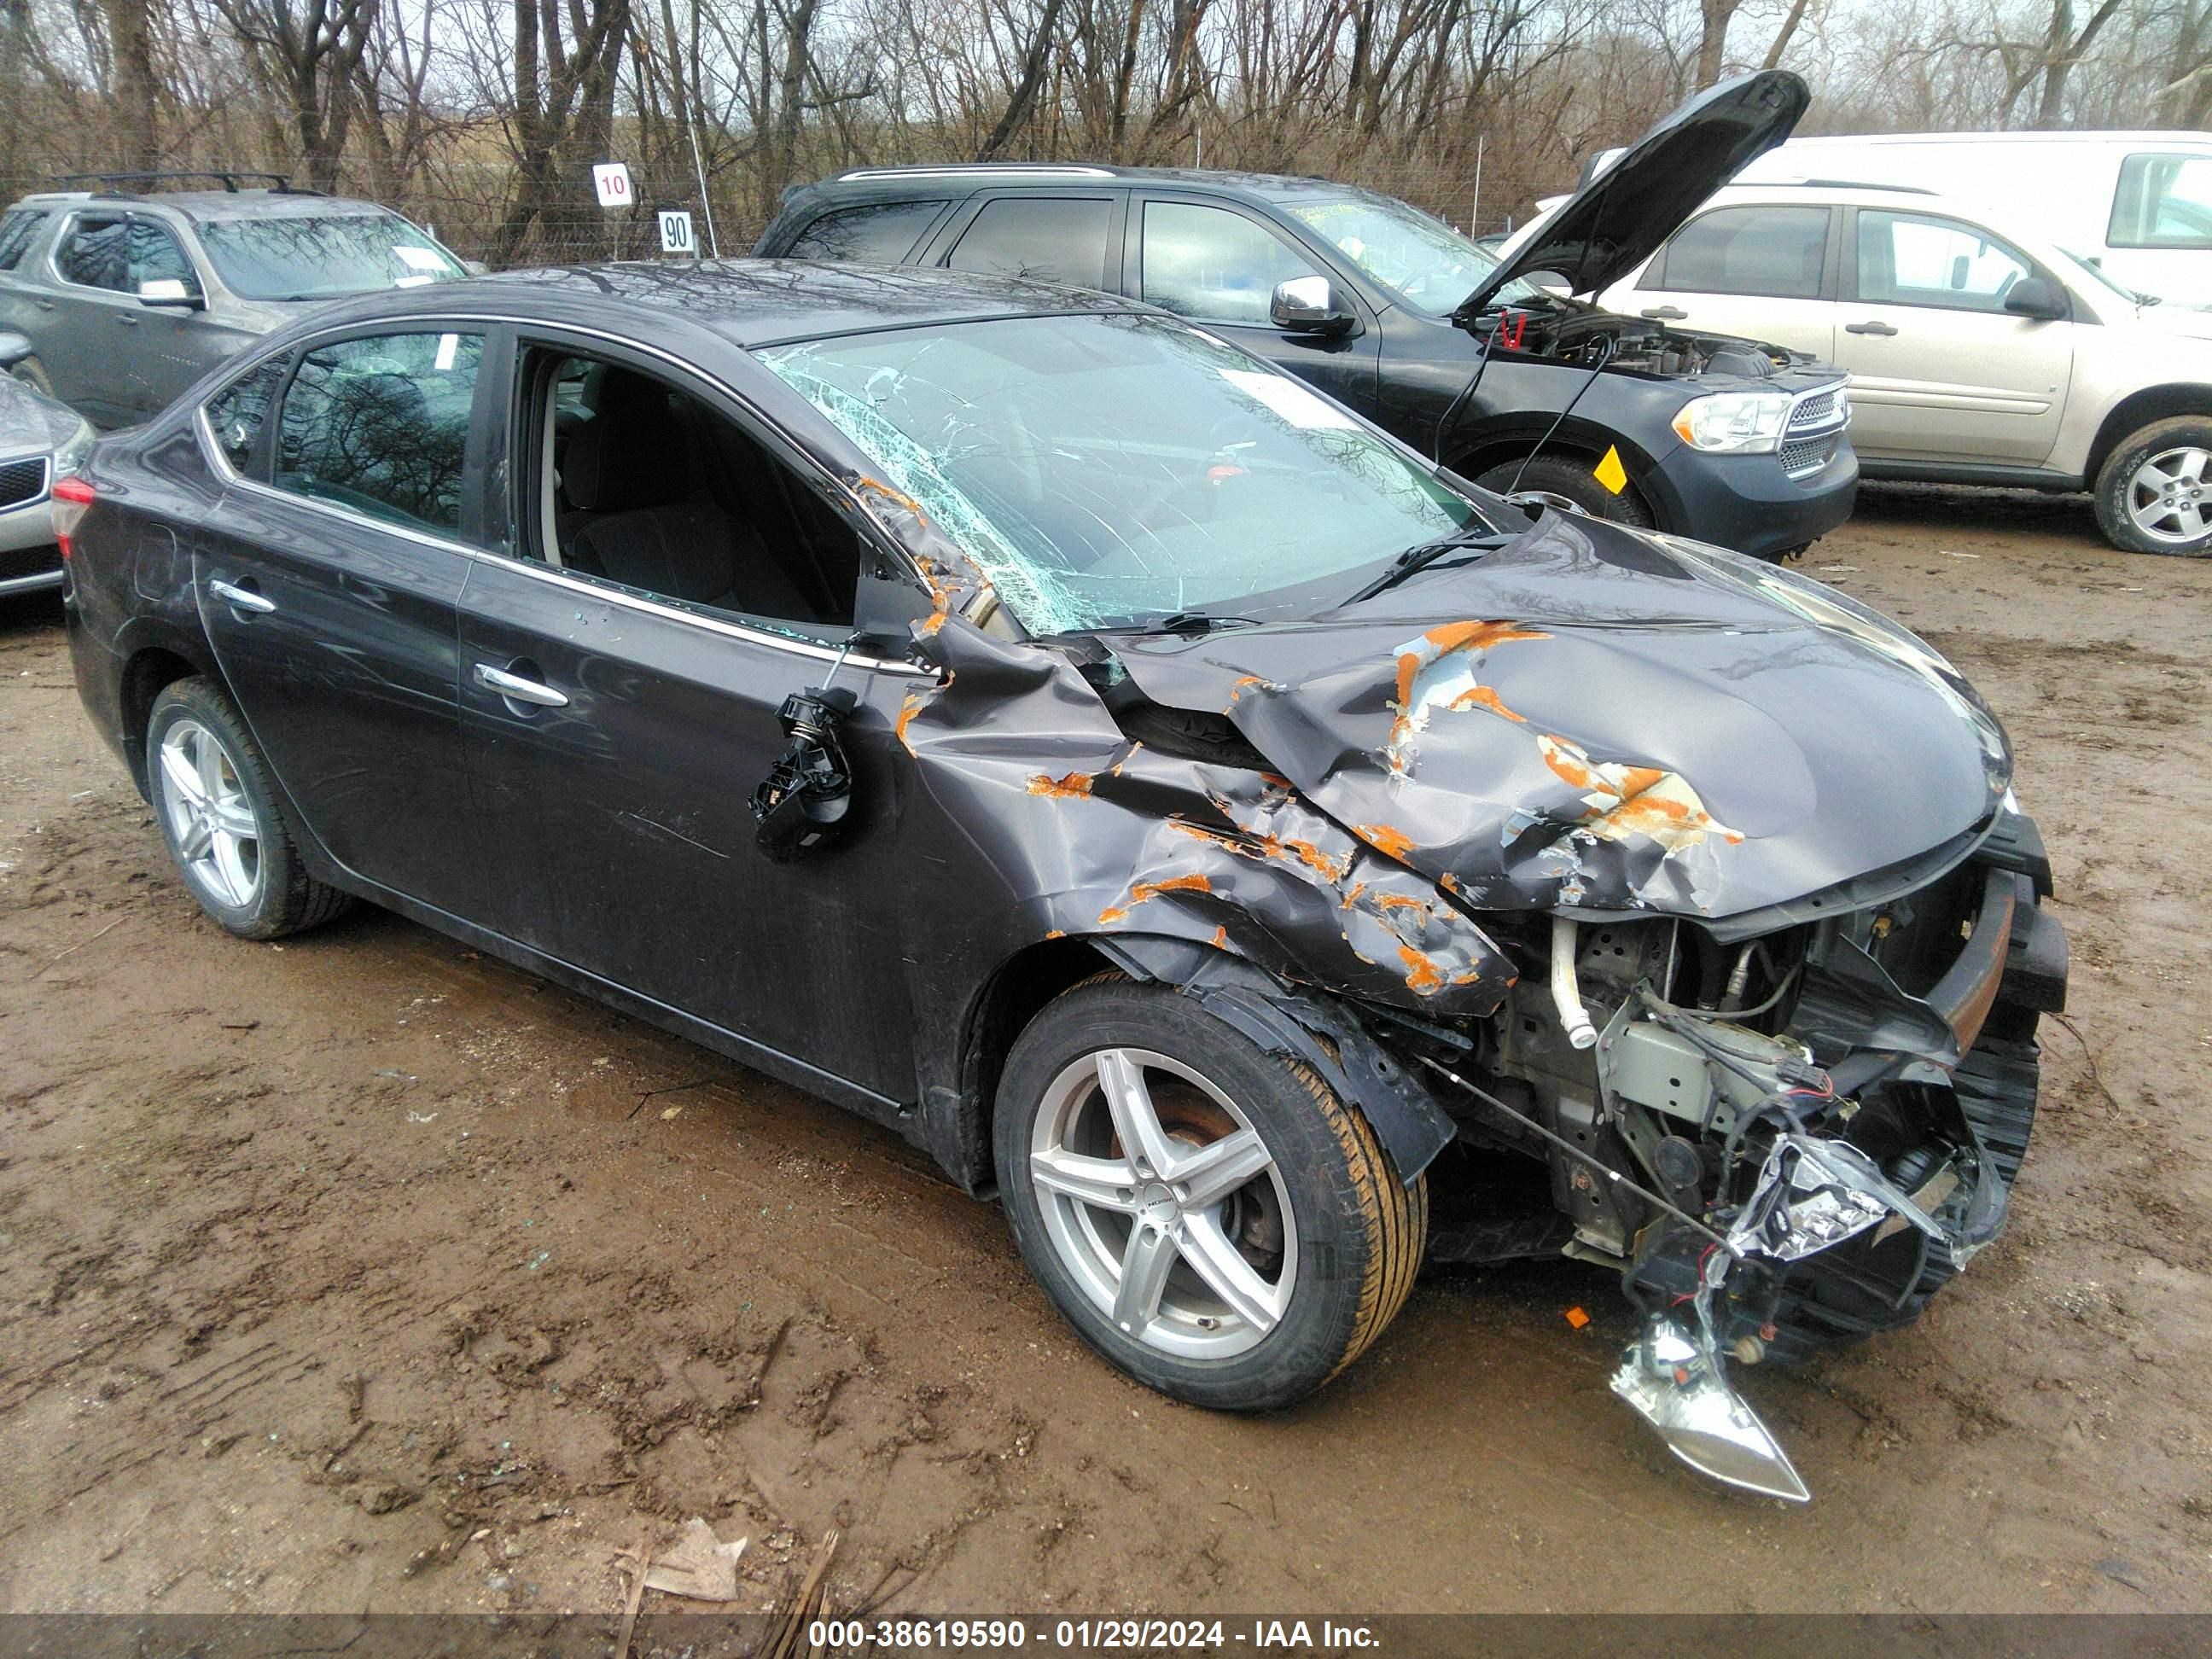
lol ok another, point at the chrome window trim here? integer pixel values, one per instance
(231, 478)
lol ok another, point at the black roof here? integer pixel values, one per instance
(749, 302)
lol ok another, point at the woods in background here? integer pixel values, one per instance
(482, 118)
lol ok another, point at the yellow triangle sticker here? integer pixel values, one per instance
(1610, 472)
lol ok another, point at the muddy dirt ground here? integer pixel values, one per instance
(365, 1273)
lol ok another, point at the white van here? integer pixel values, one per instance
(2137, 204)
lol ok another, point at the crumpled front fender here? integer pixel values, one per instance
(1095, 834)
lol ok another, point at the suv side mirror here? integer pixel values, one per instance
(2032, 296)
(1309, 305)
(170, 293)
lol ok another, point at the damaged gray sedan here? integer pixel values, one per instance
(1267, 862)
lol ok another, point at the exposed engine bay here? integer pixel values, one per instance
(1782, 1141)
(1568, 331)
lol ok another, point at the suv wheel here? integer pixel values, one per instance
(1557, 481)
(1208, 1215)
(2154, 494)
(32, 374)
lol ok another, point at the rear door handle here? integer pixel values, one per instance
(1868, 328)
(518, 689)
(242, 598)
(1668, 313)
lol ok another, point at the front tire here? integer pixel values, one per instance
(1558, 482)
(2154, 490)
(32, 374)
(1208, 1215)
(217, 807)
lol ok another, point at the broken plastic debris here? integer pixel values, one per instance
(698, 1565)
(1577, 1318)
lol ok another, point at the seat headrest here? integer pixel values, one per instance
(631, 453)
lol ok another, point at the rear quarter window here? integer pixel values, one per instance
(19, 226)
(879, 232)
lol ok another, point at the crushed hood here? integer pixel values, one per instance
(1594, 718)
(1618, 220)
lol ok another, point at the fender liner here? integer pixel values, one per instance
(1308, 1026)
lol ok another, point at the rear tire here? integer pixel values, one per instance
(1557, 481)
(217, 805)
(1248, 1301)
(2154, 490)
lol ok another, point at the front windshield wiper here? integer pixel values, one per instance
(1197, 622)
(1422, 555)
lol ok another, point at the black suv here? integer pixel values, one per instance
(1398, 316)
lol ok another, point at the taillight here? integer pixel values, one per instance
(72, 495)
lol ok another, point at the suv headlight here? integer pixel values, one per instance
(71, 455)
(1734, 422)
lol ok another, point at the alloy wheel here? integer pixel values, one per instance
(211, 819)
(1163, 1203)
(2169, 499)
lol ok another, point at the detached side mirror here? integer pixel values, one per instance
(1311, 305)
(2032, 296)
(14, 348)
(171, 294)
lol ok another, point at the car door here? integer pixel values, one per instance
(170, 350)
(1218, 264)
(615, 730)
(327, 580)
(1766, 272)
(1939, 370)
(84, 341)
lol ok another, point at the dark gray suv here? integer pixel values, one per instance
(129, 295)
(1400, 318)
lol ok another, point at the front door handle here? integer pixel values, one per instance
(126, 319)
(241, 598)
(1668, 313)
(1868, 328)
(518, 690)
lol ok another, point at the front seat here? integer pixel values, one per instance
(627, 473)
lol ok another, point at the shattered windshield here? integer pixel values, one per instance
(1423, 260)
(1102, 470)
(295, 257)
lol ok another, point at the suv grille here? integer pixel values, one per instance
(1814, 411)
(1802, 456)
(22, 481)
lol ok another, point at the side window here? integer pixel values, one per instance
(883, 232)
(381, 426)
(236, 414)
(17, 230)
(2163, 201)
(1904, 259)
(1213, 265)
(642, 483)
(155, 256)
(95, 253)
(1052, 239)
(1773, 251)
